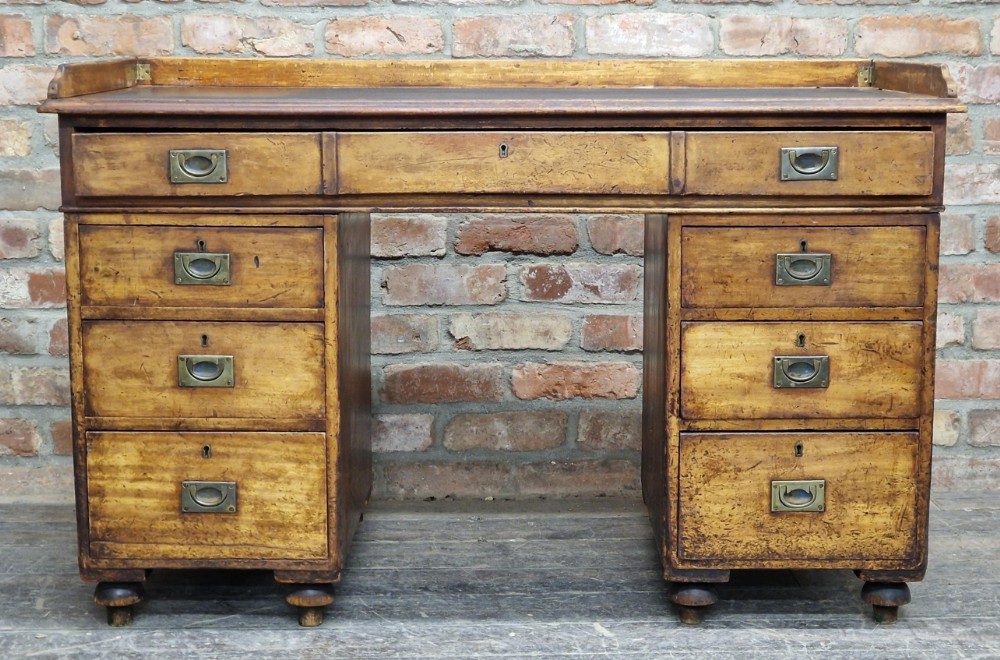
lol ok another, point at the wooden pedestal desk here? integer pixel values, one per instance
(217, 247)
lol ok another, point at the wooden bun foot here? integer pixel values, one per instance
(118, 597)
(311, 601)
(692, 599)
(885, 599)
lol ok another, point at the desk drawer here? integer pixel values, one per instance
(493, 162)
(868, 496)
(241, 267)
(728, 370)
(132, 369)
(865, 163)
(842, 267)
(271, 502)
(196, 164)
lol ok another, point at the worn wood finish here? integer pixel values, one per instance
(130, 164)
(136, 512)
(727, 370)
(870, 267)
(85, 78)
(914, 78)
(131, 370)
(135, 266)
(879, 163)
(529, 162)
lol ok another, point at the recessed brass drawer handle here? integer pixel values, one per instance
(198, 166)
(801, 371)
(207, 268)
(798, 495)
(809, 163)
(208, 496)
(802, 269)
(205, 370)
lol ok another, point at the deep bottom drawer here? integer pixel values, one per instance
(868, 496)
(277, 508)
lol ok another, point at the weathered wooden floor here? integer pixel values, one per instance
(484, 579)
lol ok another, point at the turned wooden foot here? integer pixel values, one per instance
(885, 599)
(118, 597)
(692, 599)
(311, 600)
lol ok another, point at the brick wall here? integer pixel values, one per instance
(507, 353)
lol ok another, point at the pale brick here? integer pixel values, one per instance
(779, 35)
(62, 437)
(59, 339)
(959, 137)
(521, 35)
(982, 85)
(616, 430)
(976, 283)
(445, 284)
(650, 34)
(947, 424)
(568, 380)
(580, 283)
(19, 238)
(15, 36)
(579, 478)
(393, 334)
(409, 236)
(384, 35)
(109, 35)
(508, 331)
(616, 234)
(442, 383)
(958, 233)
(57, 241)
(986, 329)
(15, 138)
(34, 386)
(607, 332)
(14, 288)
(991, 234)
(19, 437)
(519, 234)
(967, 379)
(29, 190)
(995, 41)
(411, 432)
(991, 135)
(440, 480)
(23, 84)
(524, 430)
(18, 336)
(909, 36)
(950, 330)
(984, 428)
(972, 183)
(276, 37)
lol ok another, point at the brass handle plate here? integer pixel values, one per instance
(807, 495)
(809, 163)
(208, 496)
(205, 370)
(803, 269)
(198, 166)
(791, 371)
(207, 268)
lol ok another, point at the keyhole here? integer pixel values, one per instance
(800, 341)
(206, 451)
(204, 341)
(798, 449)
(803, 245)
(504, 150)
(256, 262)
(201, 245)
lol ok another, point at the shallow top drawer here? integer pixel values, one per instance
(809, 163)
(494, 162)
(196, 164)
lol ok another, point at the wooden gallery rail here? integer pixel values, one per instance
(217, 212)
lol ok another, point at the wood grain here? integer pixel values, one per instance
(915, 78)
(82, 78)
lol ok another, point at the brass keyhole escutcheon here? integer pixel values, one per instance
(504, 150)
(206, 451)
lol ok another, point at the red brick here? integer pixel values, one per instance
(986, 329)
(614, 430)
(579, 478)
(580, 283)
(958, 233)
(29, 190)
(109, 35)
(409, 235)
(950, 330)
(991, 135)
(650, 34)
(568, 380)
(276, 37)
(412, 432)
(606, 332)
(15, 138)
(991, 234)
(984, 428)
(959, 138)
(616, 234)
(947, 425)
(19, 437)
(23, 84)
(523, 430)
(436, 481)
(908, 36)
(445, 284)
(19, 238)
(47, 288)
(972, 183)
(780, 35)
(967, 379)
(982, 84)
(57, 243)
(393, 334)
(34, 386)
(442, 383)
(523, 35)
(976, 283)
(384, 35)
(15, 36)
(499, 331)
(520, 234)
(59, 339)
(62, 437)
(18, 336)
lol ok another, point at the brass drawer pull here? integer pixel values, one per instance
(802, 269)
(208, 268)
(798, 495)
(208, 496)
(809, 163)
(205, 370)
(801, 371)
(198, 166)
